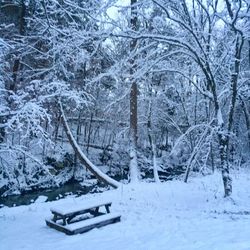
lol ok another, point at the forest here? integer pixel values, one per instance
(125, 124)
(122, 91)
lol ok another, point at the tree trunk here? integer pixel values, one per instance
(133, 166)
(151, 139)
(247, 119)
(89, 132)
(227, 180)
(17, 64)
(83, 158)
(78, 131)
(2, 129)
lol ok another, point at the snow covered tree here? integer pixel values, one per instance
(59, 54)
(159, 76)
(209, 37)
(198, 40)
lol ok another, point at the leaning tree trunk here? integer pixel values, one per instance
(83, 158)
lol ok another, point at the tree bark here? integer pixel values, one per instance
(247, 119)
(151, 139)
(133, 166)
(82, 157)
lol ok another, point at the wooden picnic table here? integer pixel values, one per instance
(66, 215)
(82, 218)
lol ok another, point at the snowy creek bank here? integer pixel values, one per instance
(77, 188)
(51, 194)
(172, 215)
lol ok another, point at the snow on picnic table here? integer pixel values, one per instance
(172, 215)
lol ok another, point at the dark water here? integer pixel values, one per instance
(71, 188)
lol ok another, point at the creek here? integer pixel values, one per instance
(70, 188)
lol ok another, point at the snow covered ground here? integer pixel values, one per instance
(172, 215)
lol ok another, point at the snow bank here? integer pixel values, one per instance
(172, 215)
(41, 198)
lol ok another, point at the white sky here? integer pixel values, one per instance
(113, 11)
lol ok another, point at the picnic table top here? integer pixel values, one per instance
(64, 211)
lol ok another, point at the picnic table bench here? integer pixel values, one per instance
(81, 219)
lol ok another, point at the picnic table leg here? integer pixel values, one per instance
(64, 220)
(96, 211)
(54, 218)
(71, 218)
(107, 208)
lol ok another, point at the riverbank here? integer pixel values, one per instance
(172, 215)
(70, 188)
